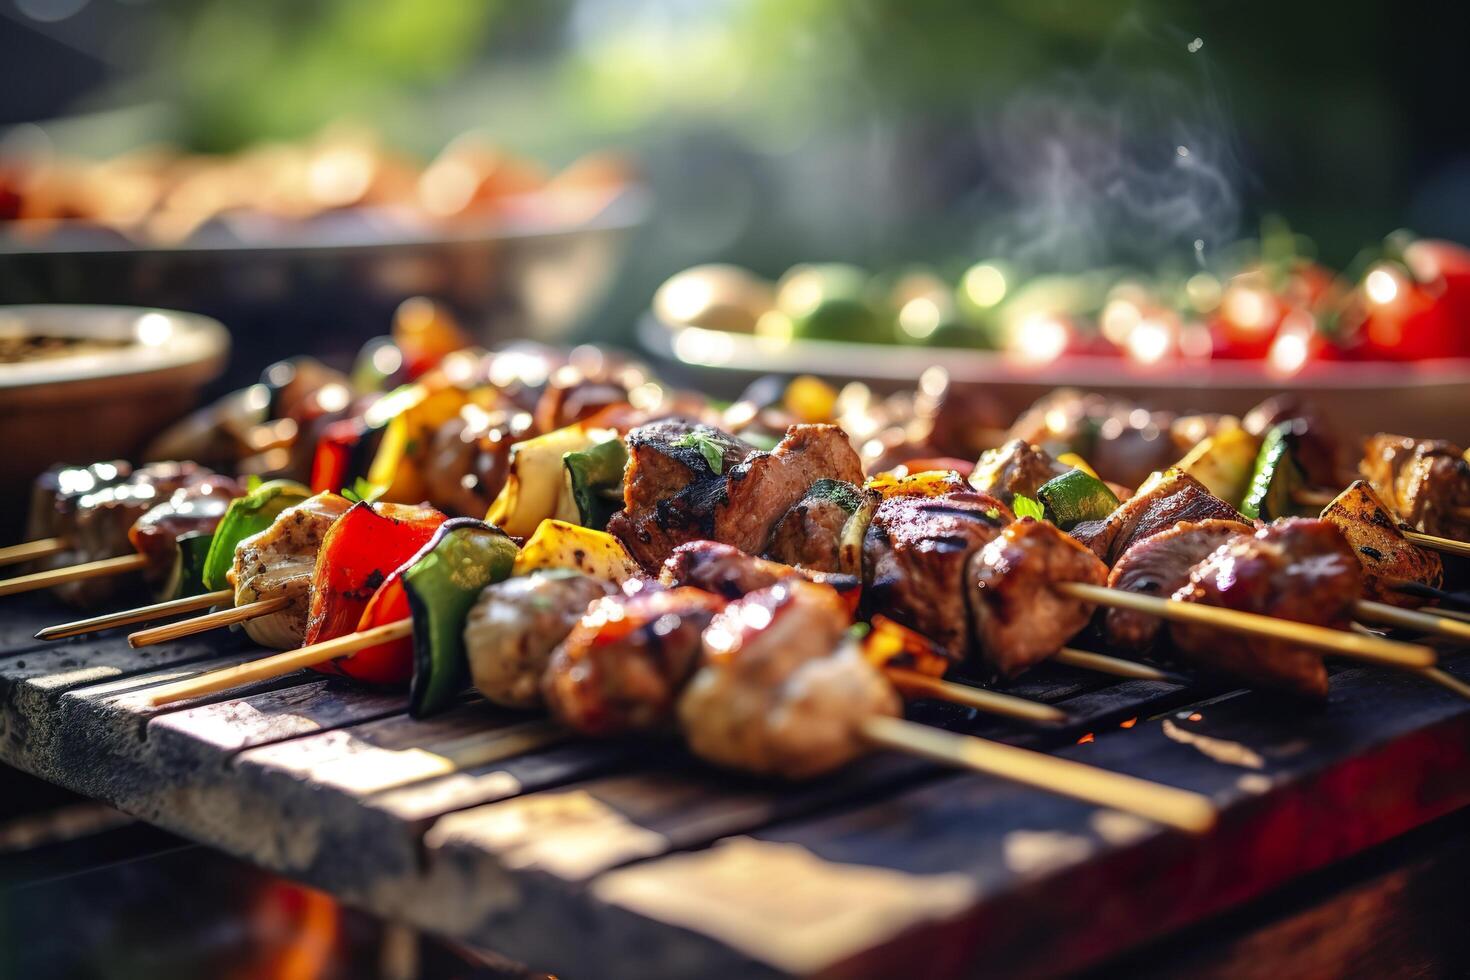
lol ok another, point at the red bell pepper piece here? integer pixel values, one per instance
(388, 663)
(358, 554)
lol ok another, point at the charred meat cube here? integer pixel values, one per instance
(1300, 569)
(781, 689)
(1425, 481)
(105, 518)
(623, 665)
(1159, 504)
(915, 554)
(737, 505)
(731, 573)
(195, 508)
(666, 458)
(1014, 468)
(55, 494)
(1159, 565)
(1314, 447)
(810, 533)
(514, 625)
(1386, 555)
(278, 563)
(1019, 619)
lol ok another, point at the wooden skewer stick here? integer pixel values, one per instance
(1448, 681)
(992, 702)
(1340, 642)
(31, 550)
(209, 621)
(282, 663)
(143, 614)
(73, 573)
(1448, 545)
(1425, 622)
(1181, 809)
(1104, 664)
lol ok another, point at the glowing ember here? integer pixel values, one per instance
(1128, 723)
(1089, 737)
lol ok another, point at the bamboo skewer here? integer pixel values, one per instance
(1426, 622)
(265, 668)
(1181, 809)
(1370, 649)
(31, 550)
(282, 663)
(214, 620)
(1448, 545)
(73, 573)
(143, 614)
(1104, 664)
(991, 702)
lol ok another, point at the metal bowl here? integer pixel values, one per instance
(97, 403)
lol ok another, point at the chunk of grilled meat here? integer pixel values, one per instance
(1121, 440)
(781, 690)
(278, 563)
(1019, 620)
(55, 494)
(731, 573)
(469, 458)
(1386, 555)
(1159, 504)
(738, 505)
(810, 533)
(1017, 467)
(1159, 565)
(104, 519)
(1315, 448)
(623, 665)
(1425, 481)
(192, 509)
(514, 625)
(1301, 569)
(915, 554)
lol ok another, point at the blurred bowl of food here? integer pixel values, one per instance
(81, 383)
(309, 247)
(1387, 346)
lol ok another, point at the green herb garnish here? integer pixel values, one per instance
(708, 448)
(363, 491)
(1024, 506)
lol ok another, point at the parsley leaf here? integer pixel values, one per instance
(1024, 506)
(363, 491)
(708, 448)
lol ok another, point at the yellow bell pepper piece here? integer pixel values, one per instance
(559, 544)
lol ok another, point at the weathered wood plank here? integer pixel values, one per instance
(1300, 788)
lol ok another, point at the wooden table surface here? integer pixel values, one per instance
(629, 859)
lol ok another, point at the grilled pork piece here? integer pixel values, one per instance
(915, 554)
(737, 504)
(1425, 481)
(469, 459)
(1014, 468)
(1159, 565)
(1386, 555)
(278, 562)
(514, 625)
(104, 518)
(195, 508)
(623, 665)
(1019, 619)
(731, 573)
(781, 689)
(810, 533)
(55, 494)
(1159, 504)
(1300, 569)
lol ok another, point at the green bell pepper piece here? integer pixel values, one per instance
(1276, 479)
(1074, 497)
(596, 477)
(442, 583)
(186, 578)
(247, 515)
